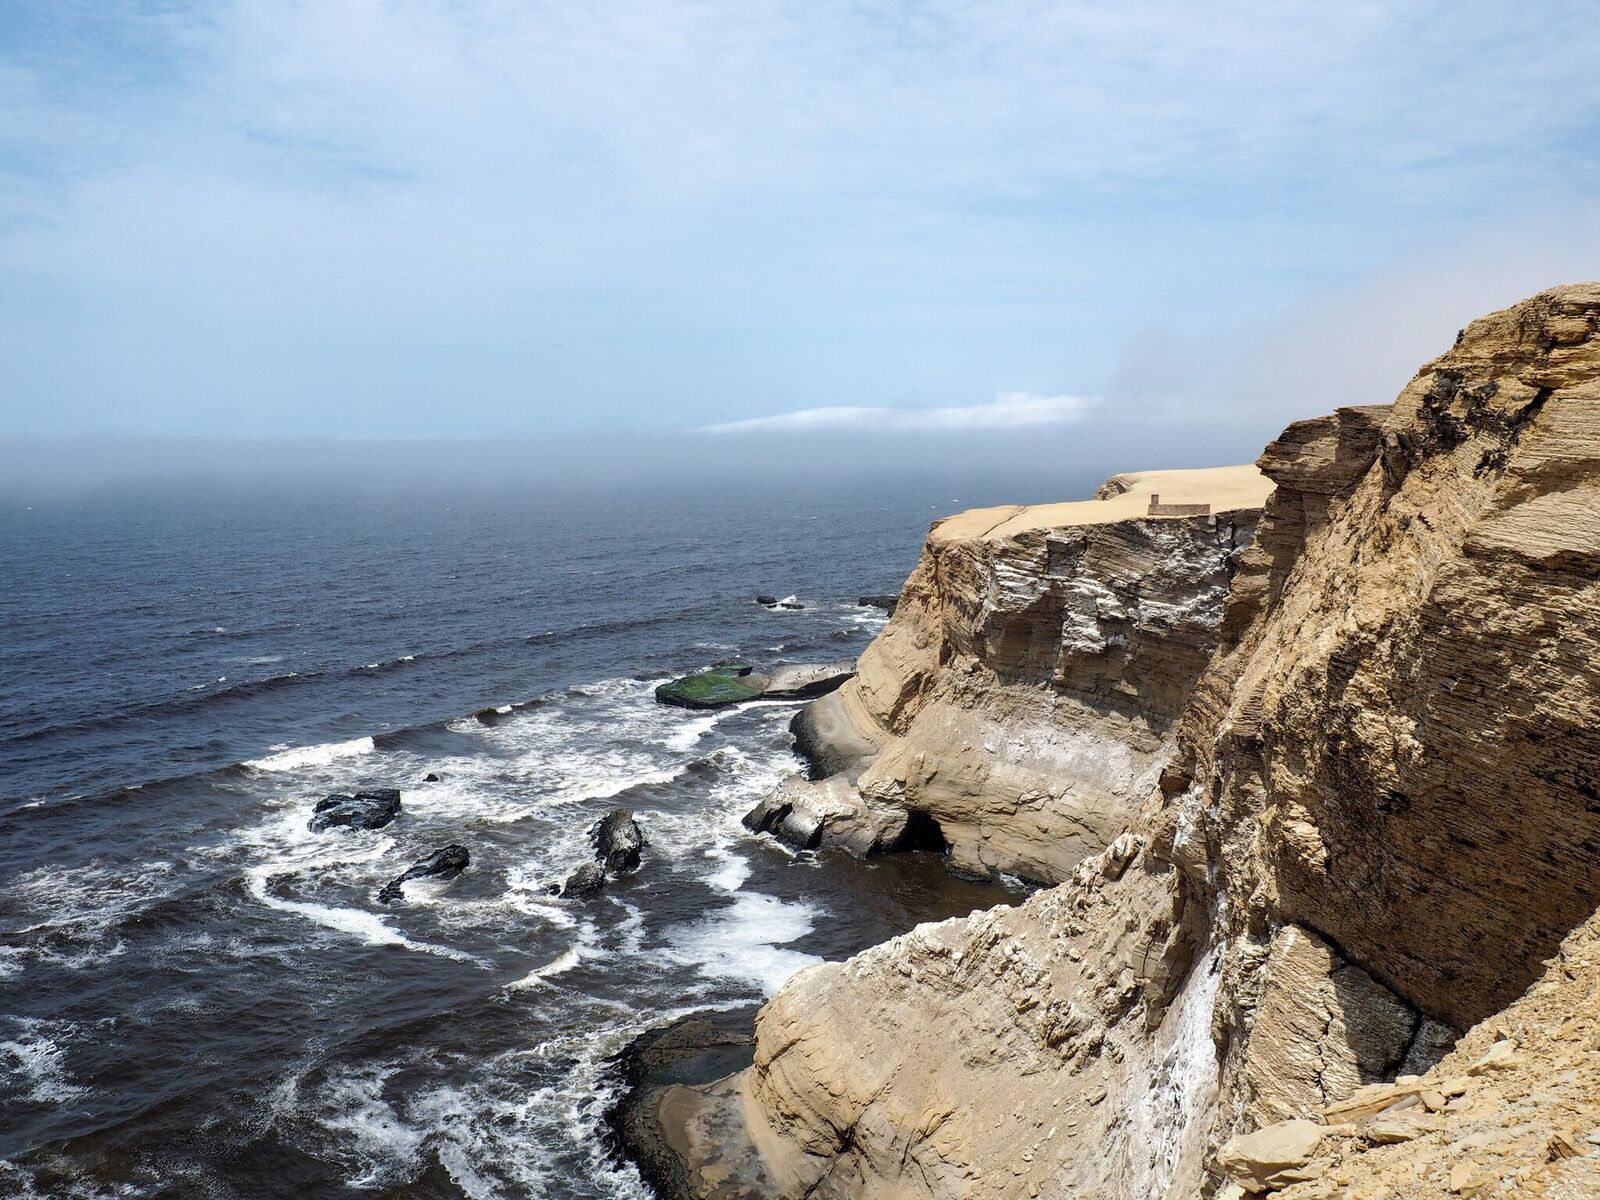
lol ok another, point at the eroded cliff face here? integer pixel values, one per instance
(1376, 823)
(1024, 694)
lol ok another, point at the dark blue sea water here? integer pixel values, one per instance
(200, 997)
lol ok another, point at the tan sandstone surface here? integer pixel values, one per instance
(1023, 696)
(1363, 823)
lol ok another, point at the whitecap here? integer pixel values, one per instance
(684, 740)
(731, 875)
(37, 1060)
(311, 756)
(565, 961)
(375, 1141)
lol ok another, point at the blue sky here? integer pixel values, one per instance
(483, 219)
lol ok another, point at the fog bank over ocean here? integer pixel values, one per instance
(56, 467)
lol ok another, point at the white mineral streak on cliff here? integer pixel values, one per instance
(1376, 824)
(1170, 1119)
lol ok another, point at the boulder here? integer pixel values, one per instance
(887, 603)
(431, 777)
(445, 863)
(831, 812)
(1270, 1157)
(587, 880)
(364, 810)
(765, 600)
(617, 840)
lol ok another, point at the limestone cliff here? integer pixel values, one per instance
(1023, 696)
(1370, 827)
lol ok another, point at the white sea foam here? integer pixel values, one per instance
(311, 756)
(36, 1060)
(730, 876)
(375, 1143)
(367, 926)
(746, 940)
(685, 739)
(95, 895)
(561, 963)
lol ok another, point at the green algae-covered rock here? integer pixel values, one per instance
(711, 689)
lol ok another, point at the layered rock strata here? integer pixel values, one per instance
(1024, 694)
(1377, 826)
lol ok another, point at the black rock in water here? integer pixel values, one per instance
(585, 881)
(431, 777)
(365, 810)
(617, 840)
(769, 601)
(445, 864)
(887, 603)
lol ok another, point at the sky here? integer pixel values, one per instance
(1076, 226)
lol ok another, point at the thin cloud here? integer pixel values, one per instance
(1012, 410)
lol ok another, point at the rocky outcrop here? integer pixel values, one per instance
(364, 810)
(737, 683)
(1370, 824)
(1513, 1111)
(805, 814)
(445, 863)
(617, 840)
(587, 879)
(1023, 696)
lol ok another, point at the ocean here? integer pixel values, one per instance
(201, 997)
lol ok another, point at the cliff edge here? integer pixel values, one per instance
(1365, 825)
(1025, 693)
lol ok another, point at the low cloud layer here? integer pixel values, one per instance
(1012, 410)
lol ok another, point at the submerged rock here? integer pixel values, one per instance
(364, 810)
(587, 880)
(617, 840)
(431, 777)
(887, 603)
(766, 601)
(445, 863)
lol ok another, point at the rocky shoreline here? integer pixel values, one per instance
(1303, 755)
(694, 1050)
